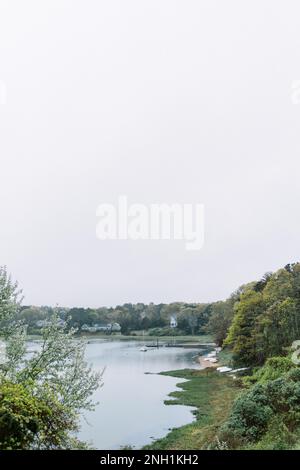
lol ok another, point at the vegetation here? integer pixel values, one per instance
(256, 327)
(266, 317)
(191, 318)
(42, 393)
(267, 415)
(30, 421)
(212, 395)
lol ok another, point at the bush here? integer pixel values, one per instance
(278, 437)
(28, 422)
(274, 368)
(249, 417)
(254, 411)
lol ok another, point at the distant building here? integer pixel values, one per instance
(107, 328)
(114, 327)
(173, 322)
(45, 323)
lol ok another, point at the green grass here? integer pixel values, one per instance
(138, 336)
(212, 394)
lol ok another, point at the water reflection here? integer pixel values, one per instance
(131, 409)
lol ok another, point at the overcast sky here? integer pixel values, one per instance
(163, 101)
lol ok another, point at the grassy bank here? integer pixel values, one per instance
(201, 339)
(212, 394)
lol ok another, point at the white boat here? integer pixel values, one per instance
(224, 369)
(143, 348)
(212, 354)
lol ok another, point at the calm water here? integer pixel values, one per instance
(131, 409)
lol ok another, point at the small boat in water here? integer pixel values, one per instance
(143, 348)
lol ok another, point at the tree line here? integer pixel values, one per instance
(42, 394)
(155, 318)
(258, 320)
(262, 323)
(261, 319)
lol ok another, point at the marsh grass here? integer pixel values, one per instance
(212, 395)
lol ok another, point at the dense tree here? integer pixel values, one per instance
(192, 318)
(28, 421)
(220, 318)
(246, 345)
(266, 317)
(269, 410)
(31, 315)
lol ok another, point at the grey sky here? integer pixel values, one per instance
(163, 101)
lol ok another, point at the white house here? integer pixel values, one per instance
(173, 321)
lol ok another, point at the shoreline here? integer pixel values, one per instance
(211, 394)
(205, 363)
